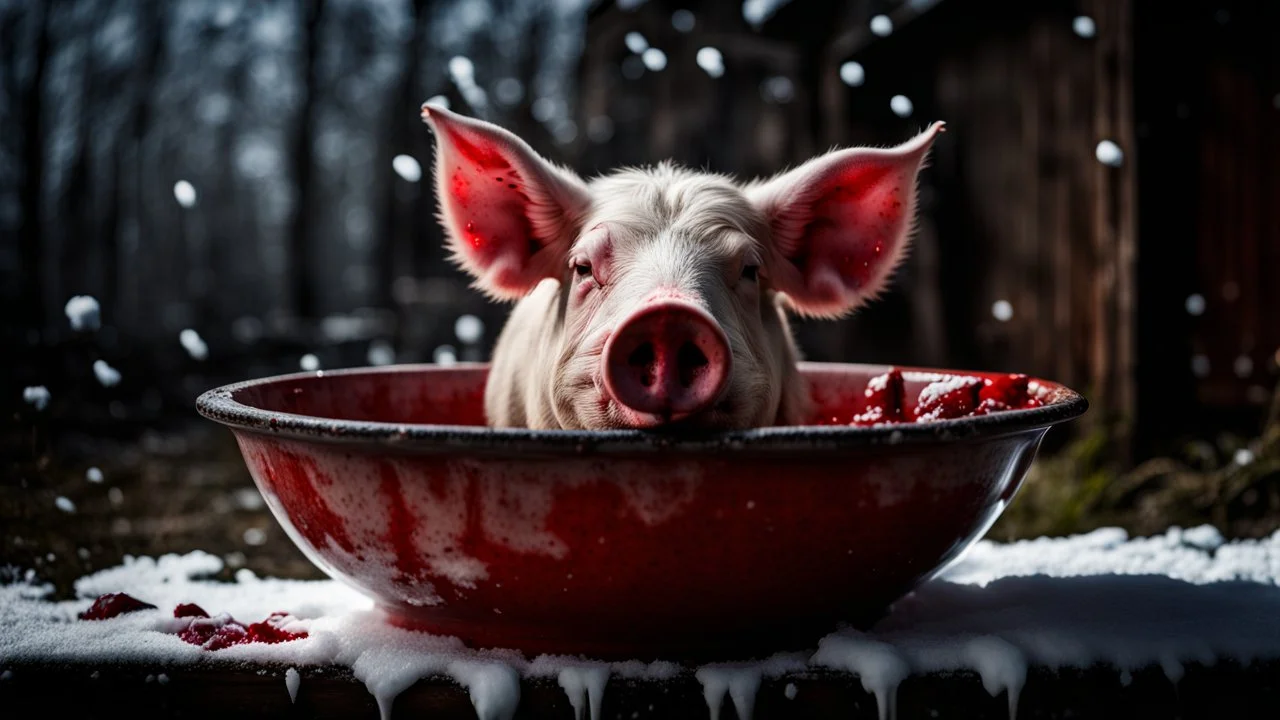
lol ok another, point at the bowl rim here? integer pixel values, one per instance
(220, 405)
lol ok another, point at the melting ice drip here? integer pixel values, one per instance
(1185, 596)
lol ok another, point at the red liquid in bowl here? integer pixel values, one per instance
(627, 544)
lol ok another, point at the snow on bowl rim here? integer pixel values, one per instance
(221, 405)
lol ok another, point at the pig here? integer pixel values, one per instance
(658, 297)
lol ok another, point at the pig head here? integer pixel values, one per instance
(659, 296)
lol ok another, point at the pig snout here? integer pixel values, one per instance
(669, 359)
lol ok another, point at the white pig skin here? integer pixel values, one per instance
(578, 257)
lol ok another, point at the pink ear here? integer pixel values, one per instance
(841, 223)
(510, 215)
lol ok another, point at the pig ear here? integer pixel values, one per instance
(841, 223)
(509, 214)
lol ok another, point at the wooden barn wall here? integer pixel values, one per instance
(1016, 207)
(1209, 133)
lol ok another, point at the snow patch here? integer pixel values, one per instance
(1184, 596)
(291, 682)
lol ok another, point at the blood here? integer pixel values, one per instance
(112, 605)
(216, 633)
(884, 395)
(959, 400)
(189, 610)
(209, 633)
(949, 398)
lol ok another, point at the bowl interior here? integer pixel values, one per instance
(454, 396)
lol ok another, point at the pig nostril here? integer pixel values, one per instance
(691, 361)
(642, 358)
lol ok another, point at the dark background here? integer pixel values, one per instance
(1148, 284)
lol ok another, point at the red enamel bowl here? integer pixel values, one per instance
(623, 544)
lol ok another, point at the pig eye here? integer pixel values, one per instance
(750, 272)
(582, 269)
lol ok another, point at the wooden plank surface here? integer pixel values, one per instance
(1224, 690)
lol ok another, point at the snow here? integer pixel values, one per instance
(901, 106)
(83, 312)
(584, 685)
(380, 353)
(407, 168)
(935, 390)
(64, 504)
(107, 375)
(1183, 596)
(37, 396)
(469, 329)
(636, 42)
(255, 536)
(791, 691)
(853, 74)
(309, 362)
(710, 60)
(1242, 457)
(193, 344)
(445, 355)
(1084, 26)
(291, 682)
(509, 91)
(1195, 304)
(1109, 154)
(777, 89)
(881, 26)
(683, 21)
(1200, 365)
(756, 12)
(185, 193)
(654, 59)
(1002, 310)
(1243, 366)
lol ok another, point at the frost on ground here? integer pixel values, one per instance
(1184, 596)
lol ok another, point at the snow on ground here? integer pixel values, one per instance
(1184, 596)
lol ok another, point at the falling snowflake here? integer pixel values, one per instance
(683, 21)
(36, 396)
(107, 375)
(901, 106)
(193, 344)
(185, 193)
(636, 42)
(710, 60)
(1109, 154)
(407, 167)
(853, 74)
(654, 59)
(84, 312)
(469, 329)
